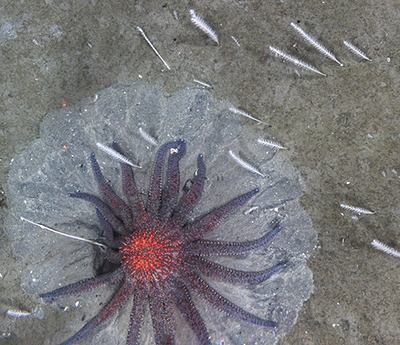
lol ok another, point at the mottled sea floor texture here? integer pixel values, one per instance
(341, 131)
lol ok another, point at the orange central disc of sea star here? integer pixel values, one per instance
(152, 255)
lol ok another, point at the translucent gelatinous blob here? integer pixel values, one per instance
(58, 164)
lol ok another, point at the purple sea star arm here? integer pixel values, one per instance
(189, 312)
(171, 191)
(130, 190)
(105, 211)
(206, 292)
(108, 232)
(162, 318)
(137, 316)
(116, 302)
(219, 248)
(86, 285)
(198, 228)
(118, 205)
(211, 269)
(114, 256)
(154, 200)
(189, 200)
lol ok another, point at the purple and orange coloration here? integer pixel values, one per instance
(160, 256)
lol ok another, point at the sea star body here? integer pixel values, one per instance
(160, 255)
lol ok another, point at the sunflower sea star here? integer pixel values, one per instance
(160, 255)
